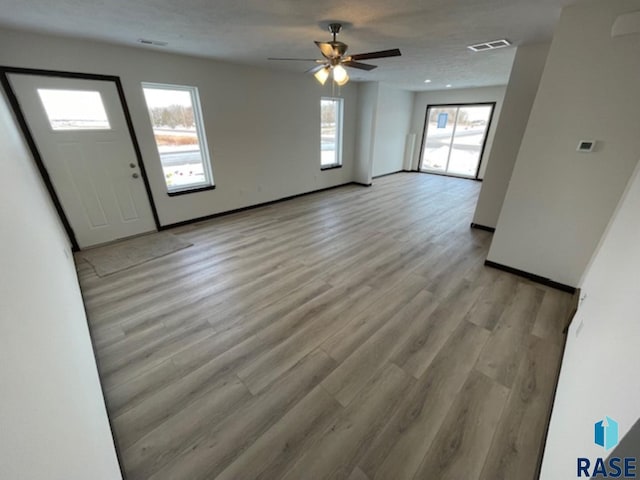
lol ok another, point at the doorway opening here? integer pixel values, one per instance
(454, 138)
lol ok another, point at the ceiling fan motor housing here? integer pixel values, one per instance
(335, 28)
(339, 48)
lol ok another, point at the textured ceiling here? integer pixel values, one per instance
(432, 34)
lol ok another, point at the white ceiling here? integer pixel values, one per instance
(432, 34)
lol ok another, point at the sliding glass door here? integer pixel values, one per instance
(454, 138)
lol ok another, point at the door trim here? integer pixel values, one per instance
(484, 143)
(22, 122)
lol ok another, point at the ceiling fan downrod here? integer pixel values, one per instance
(335, 28)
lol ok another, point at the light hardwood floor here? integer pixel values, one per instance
(349, 334)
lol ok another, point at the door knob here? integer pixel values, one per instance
(132, 165)
(135, 175)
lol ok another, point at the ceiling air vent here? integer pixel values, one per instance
(157, 43)
(492, 45)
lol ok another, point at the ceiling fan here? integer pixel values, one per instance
(335, 59)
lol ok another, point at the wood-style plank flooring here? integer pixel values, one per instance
(349, 334)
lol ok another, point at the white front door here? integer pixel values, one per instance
(82, 135)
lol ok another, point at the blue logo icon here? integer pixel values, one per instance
(606, 433)
(442, 120)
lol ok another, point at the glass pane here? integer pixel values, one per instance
(329, 111)
(74, 109)
(438, 138)
(469, 138)
(174, 120)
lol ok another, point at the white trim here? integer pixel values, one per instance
(200, 132)
(339, 101)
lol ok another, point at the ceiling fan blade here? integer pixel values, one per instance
(326, 49)
(361, 66)
(395, 52)
(315, 69)
(293, 59)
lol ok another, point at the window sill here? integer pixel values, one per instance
(330, 167)
(177, 193)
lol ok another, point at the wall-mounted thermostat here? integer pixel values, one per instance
(586, 145)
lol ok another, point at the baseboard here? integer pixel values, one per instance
(543, 443)
(448, 175)
(572, 313)
(530, 276)
(387, 174)
(251, 207)
(483, 227)
(362, 184)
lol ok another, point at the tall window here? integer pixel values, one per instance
(330, 132)
(178, 129)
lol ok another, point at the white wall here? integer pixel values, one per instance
(394, 110)
(263, 126)
(384, 116)
(521, 91)
(367, 116)
(600, 365)
(462, 95)
(559, 201)
(53, 422)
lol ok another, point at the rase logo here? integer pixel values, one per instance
(606, 436)
(606, 433)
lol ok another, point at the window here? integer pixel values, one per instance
(454, 138)
(74, 109)
(330, 132)
(178, 129)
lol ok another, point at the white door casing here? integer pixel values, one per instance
(94, 172)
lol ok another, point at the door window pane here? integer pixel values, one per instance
(469, 139)
(74, 109)
(179, 134)
(330, 132)
(441, 124)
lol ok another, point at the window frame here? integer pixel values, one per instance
(209, 183)
(457, 106)
(339, 101)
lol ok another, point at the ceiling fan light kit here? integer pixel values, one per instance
(322, 75)
(340, 75)
(335, 59)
